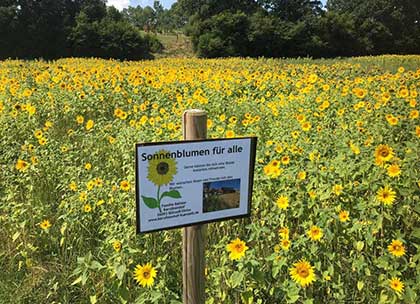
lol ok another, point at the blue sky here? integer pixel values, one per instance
(120, 4)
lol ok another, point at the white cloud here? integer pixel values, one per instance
(119, 4)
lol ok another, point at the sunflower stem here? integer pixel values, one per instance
(158, 198)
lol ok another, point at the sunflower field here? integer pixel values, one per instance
(336, 199)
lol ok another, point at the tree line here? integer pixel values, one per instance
(291, 28)
(271, 28)
(52, 29)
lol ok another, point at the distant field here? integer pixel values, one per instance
(336, 179)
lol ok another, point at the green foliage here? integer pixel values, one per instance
(155, 46)
(280, 28)
(59, 28)
(224, 34)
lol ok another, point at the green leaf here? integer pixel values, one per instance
(383, 298)
(359, 245)
(78, 280)
(247, 297)
(236, 279)
(258, 275)
(360, 285)
(416, 233)
(150, 202)
(292, 298)
(120, 271)
(172, 193)
(409, 295)
(96, 265)
(155, 296)
(15, 236)
(84, 278)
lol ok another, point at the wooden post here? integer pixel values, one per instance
(193, 238)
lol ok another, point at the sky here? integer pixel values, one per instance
(121, 4)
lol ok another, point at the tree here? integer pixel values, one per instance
(8, 28)
(384, 26)
(222, 35)
(109, 37)
(292, 10)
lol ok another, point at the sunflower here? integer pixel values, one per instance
(315, 233)
(124, 185)
(383, 153)
(236, 249)
(80, 119)
(343, 216)
(145, 275)
(312, 194)
(230, 133)
(285, 244)
(397, 285)
(394, 170)
(45, 224)
(272, 171)
(414, 114)
(42, 141)
(303, 273)
(117, 245)
(21, 165)
(285, 160)
(38, 134)
(89, 124)
(282, 202)
(300, 118)
(301, 175)
(392, 120)
(355, 149)
(73, 186)
(337, 189)
(386, 195)
(87, 208)
(161, 168)
(306, 126)
(284, 232)
(396, 248)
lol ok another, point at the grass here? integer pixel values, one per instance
(175, 45)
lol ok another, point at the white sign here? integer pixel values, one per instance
(191, 182)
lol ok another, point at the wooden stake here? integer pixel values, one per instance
(193, 238)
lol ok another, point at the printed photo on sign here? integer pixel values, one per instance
(221, 195)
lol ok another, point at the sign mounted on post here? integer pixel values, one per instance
(193, 182)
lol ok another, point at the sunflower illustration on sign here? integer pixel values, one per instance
(161, 171)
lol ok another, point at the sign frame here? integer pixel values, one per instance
(253, 146)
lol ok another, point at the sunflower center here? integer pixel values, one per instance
(397, 247)
(384, 153)
(162, 168)
(385, 195)
(303, 272)
(146, 275)
(238, 247)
